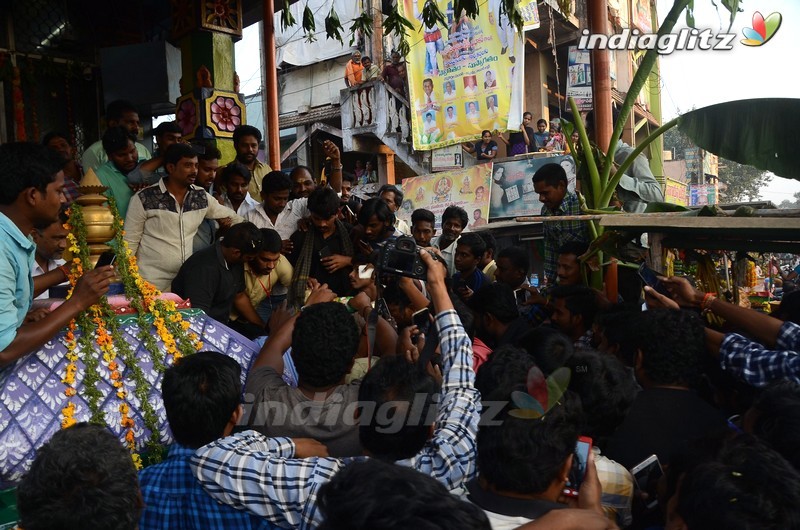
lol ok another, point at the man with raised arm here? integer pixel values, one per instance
(242, 471)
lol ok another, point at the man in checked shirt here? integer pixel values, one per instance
(243, 471)
(550, 183)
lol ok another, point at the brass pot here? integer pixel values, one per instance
(99, 224)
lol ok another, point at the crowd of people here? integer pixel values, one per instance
(453, 395)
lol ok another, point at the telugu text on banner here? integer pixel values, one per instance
(467, 188)
(464, 77)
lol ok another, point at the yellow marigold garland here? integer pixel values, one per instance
(101, 324)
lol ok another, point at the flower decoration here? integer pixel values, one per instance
(100, 332)
(222, 15)
(186, 116)
(225, 113)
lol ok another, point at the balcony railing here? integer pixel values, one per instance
(375, 108)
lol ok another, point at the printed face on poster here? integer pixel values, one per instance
(512, 192)
(464, 76)
(467, 188)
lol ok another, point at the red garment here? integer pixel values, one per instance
(480, 353)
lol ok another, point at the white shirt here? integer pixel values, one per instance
(449, 253)
(286, 222)
(37, 271)
(248, 204)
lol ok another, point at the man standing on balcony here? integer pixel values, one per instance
(371, 71)
(353, 70)
(394, 74)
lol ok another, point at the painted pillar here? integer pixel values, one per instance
(210, 106)
(273, 132)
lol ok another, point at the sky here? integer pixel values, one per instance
(699, 78)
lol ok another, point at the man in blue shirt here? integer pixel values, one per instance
(202, 399)
(31, 195)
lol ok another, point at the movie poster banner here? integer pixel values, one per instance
(512, 193)
(467, 188)
(579, 77)
(465, 76)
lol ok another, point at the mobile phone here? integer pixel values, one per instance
(646, 475)
(580, 460)
(324, 252)
(651, 278)
(383, 309)
(106, 258)
(422, 319)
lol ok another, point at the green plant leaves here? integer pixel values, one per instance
(287, 19)
(399, 25)
(333, 27)
(361, 25)
(309, 24)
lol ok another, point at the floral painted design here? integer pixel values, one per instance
(187, 116)
(226, 113)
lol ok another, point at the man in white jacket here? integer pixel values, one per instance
(162, 219)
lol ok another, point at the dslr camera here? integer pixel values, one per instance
(400, 256)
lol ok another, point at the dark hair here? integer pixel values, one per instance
(619, 325)
(429, 114)
(275, 181)
(474, 242)
(456, 212)
(488, 240)
(116, 109)
(398, 194)
(550, 348)
(324, 202)
(208, 151)
(26, 165)
(372, 494)
(777, 419)
(394, 387)
(235, 168)
(270, 241)
(82, 478)
(517, 256)
(526, 113)
(541, 121)
(485, 131)
(578, 248)
(178, 151)
(672, 345)
(168, 127)
(505, 371)
(324, 342)
(496, 299)
(421, 214)
(298, 169)
(551, 174)
(379, 209)
(245, 130)
(732, 494)
(116, 138)
(200, 394)
(579, 301)
(606, 389)
(348, 177)
(244, 237)
(789, 310)
(525, 455)
(52, 135)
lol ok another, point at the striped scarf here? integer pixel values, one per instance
(302, 269)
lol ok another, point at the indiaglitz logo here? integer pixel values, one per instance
(763, 29)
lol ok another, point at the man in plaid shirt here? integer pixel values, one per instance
(202, 401)
(550, 182)
(246, 472)
(772, 352)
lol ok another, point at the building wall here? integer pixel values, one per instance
(311, 86)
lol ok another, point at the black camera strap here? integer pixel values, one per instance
(431, 341)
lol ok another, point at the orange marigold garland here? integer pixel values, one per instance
(99, 327)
